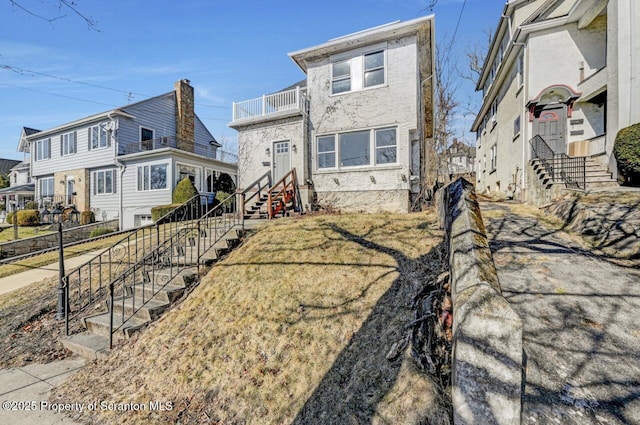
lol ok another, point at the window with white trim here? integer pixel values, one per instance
(341, 76)
(358, 70)
(68, 143)
(104, 182)
(374, 68)
(146, 138)
(520, 69)
(386, 146)
(98, 137)
(152, 177)
(355, 148)
(190, 172)
(43, 149)
(45, 187)
(516, 126)
(494, 157)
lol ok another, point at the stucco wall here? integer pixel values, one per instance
(394, 104)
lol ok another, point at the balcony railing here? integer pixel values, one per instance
(208, 150)
(290, 100)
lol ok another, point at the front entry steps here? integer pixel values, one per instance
(143, 302)
(596, 175)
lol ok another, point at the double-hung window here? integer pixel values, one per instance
(43, 149)
(386, 147)
(45, 187)
(68, 143)
(357, 148)
(152, 177)
(327, 151)
(374, 69)
(104, 182)
(98, 137)
(341, 76)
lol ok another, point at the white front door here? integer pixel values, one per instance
(71, 182)
(281, 160)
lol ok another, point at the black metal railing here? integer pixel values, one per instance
(560, 167)
(183, 249)
(208, 150)
(88, 283)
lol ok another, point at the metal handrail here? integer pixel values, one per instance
(559, 166)
(173, 256)
(259, 183)
(89, 281)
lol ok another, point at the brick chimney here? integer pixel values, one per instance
(185, 116)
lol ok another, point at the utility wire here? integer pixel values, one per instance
(23, 71)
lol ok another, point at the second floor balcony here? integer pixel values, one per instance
(209, 150)
(277, 105)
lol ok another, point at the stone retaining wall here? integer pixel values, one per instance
(487, 353)
(50, 240)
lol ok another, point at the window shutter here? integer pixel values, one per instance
(89, 139)
(61, 146)
(93, 182)
(75, 142)
(114, 181)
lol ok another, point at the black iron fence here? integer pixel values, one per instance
(176, 241)
(560, 167)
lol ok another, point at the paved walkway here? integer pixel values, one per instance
(581, 324)
(27, 277)
(24, 393)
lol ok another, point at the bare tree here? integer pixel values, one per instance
(62, 6)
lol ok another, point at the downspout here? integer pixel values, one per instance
(524, 121)
(121, 167)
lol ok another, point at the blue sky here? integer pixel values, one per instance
(230, 50)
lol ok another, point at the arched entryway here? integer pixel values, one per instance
(549, 111)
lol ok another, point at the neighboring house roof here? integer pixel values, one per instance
(21, 166)
(26, 132)
(21, 188)
(6, 165)
(302, 84)
(358, 39)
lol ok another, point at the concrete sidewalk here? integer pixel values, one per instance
(24, 392)
(29, 276)
(581, 329)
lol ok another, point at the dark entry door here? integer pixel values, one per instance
(550, 124)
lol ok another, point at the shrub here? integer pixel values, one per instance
(2, 207)
(162, 210)
(626, 150)
(184, 191)
(28, 218)
(31, 205)
(10, 217)
(100, 231)
(87, 217)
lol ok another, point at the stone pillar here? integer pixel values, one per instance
(185, 116)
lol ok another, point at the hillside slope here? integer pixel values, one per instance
(292, 327)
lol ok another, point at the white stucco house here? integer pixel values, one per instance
(122, 162)
(563, 70)
(355, 128)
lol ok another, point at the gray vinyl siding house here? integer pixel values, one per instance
(121, 163)
(356, 129)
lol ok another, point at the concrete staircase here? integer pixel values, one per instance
(596, 175)
(145, 301)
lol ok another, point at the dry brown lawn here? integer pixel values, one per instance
(292, 327)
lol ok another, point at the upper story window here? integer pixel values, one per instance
(341, 76)
(355, 148)
(43, 149)
(68, 144)
(152, 177)
(146, 138)
(374, 69)
(98, 137)
(359, 69)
